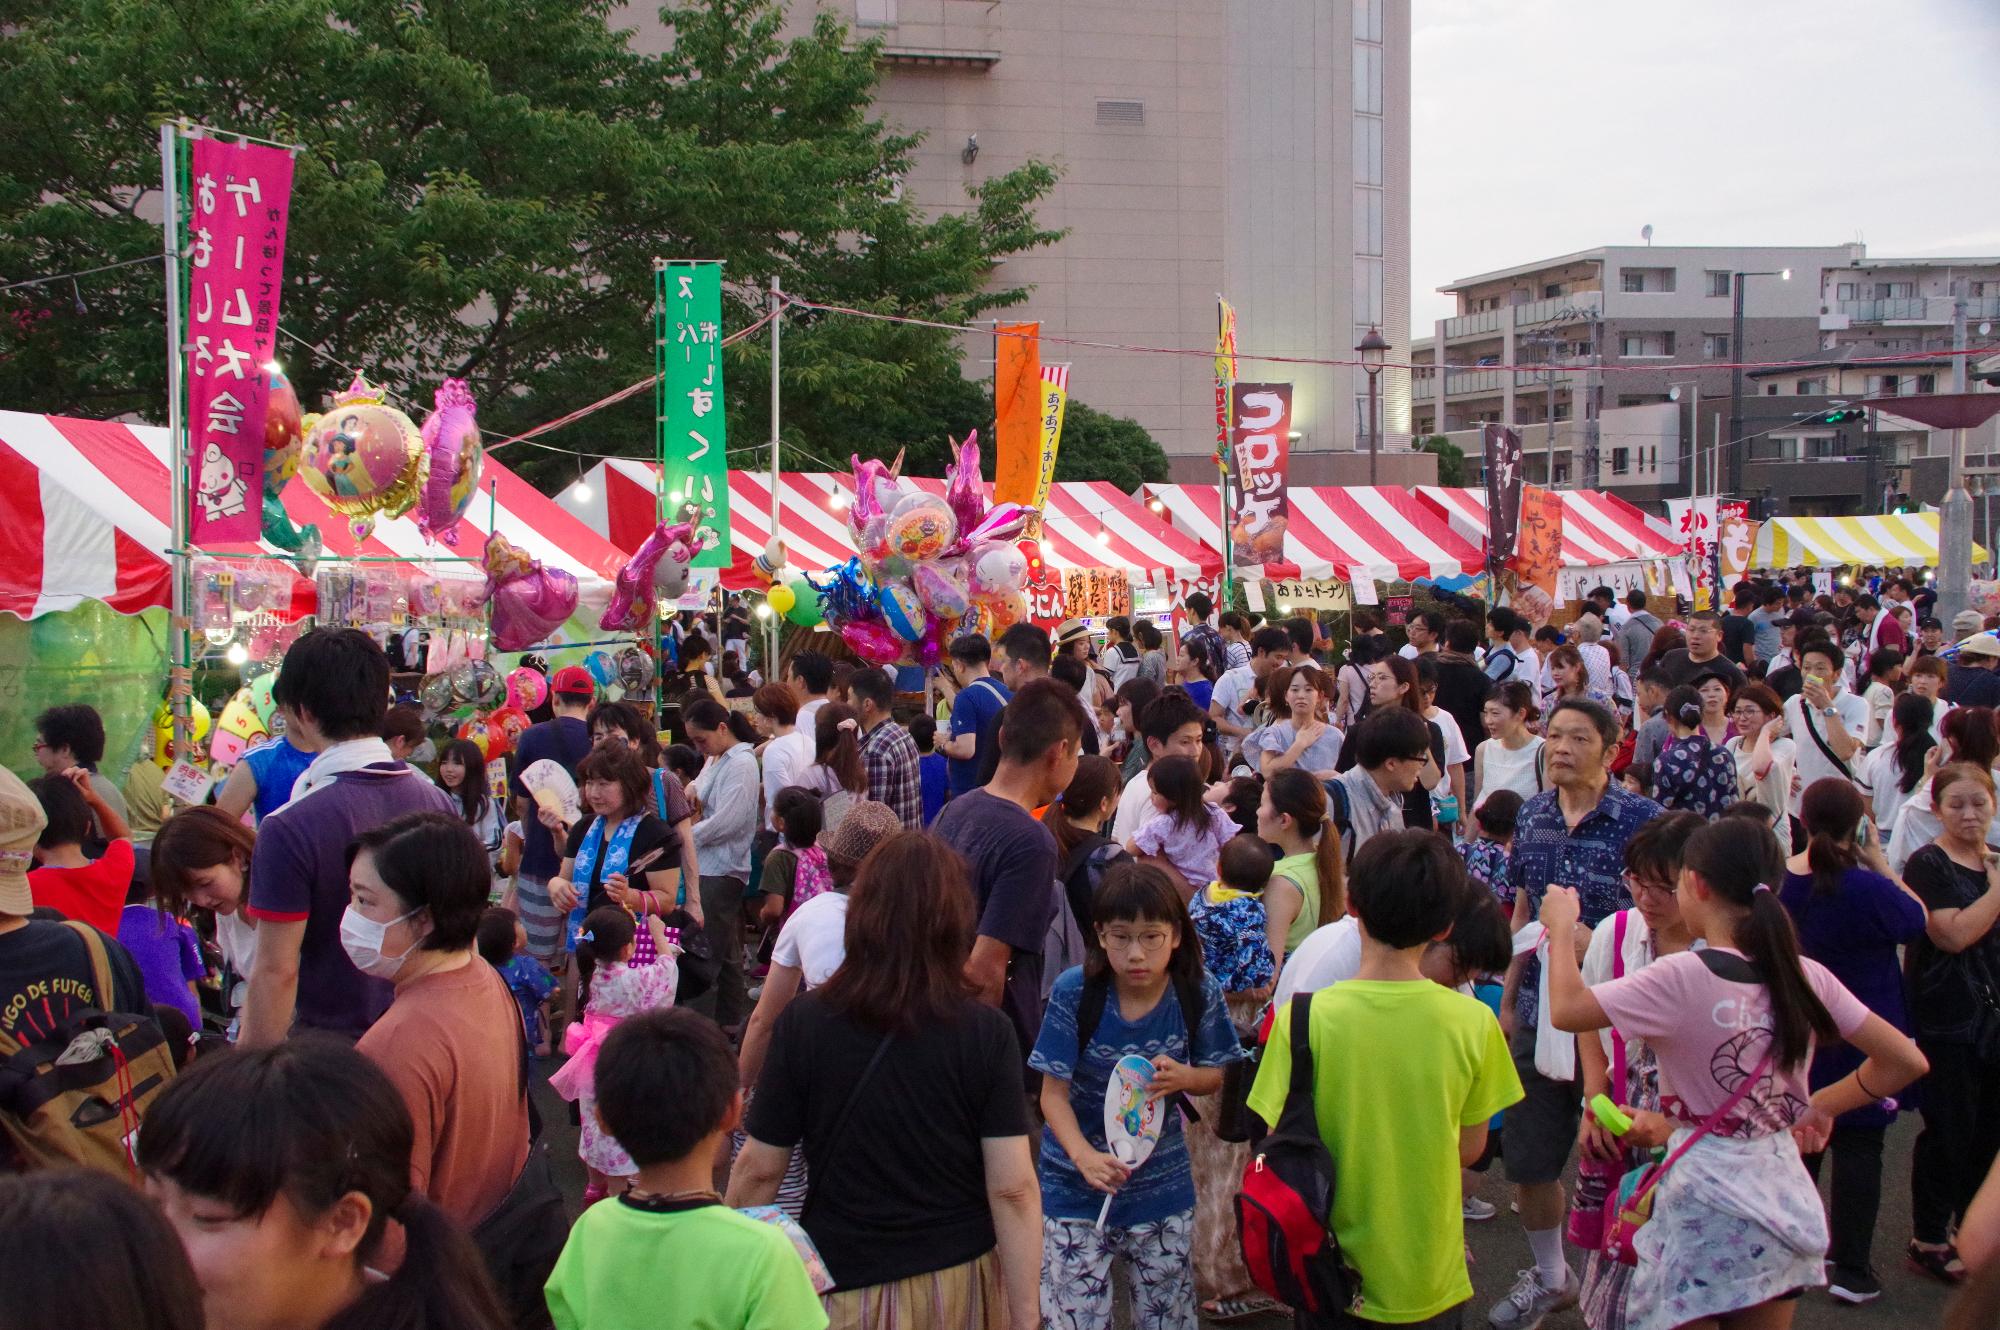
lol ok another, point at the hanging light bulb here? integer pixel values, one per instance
(238, 654)
(580, 492)
(763, 610)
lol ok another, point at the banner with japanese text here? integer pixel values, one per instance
(1737, 540)
(1055, 399)
(1017, 412)
(1225, 375)
(1259, 452)
(694, 445)
(1501, 463)
(240, 196)
(1538, 552)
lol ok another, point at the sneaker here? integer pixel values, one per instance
(1854, 1287)
(1530, 1300)
(1477, 1210)
(1939, 1262)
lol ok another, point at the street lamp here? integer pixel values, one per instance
(1736, 372)
(1371, 349)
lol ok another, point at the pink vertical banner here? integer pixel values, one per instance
(241, 194)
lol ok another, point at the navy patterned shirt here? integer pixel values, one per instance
(1589, 857)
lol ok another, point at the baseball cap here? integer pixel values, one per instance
(868, 823)
(21, 823)
(1967, 621)
(573, 681)
(1980, 644)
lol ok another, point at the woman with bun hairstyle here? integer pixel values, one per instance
(1510, 757)
(1692, 774)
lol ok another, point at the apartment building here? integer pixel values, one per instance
(1595, 336)
(1258, 151)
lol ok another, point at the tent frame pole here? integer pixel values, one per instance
(180, 648)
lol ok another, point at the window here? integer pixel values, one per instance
(1771, 390)
(1120, 112)
(1845, 291)
(1367, 80)
(1718, 282)
(1882, 385)
(1368, 159)
(1552, 290)
(1655, 345)
(1562, 410)
(1368, 219)
(1621, 459)
(1367, 20)
(1715, 346)
(875, 13)
(1632, 279)
(1821, 446)
(1895, 290)
(1811, 388)
(1926, 383)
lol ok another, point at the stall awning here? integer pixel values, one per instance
(1894, 539)
(1598, 528)
(1088, 524)
(85, 515)
(1350, 533)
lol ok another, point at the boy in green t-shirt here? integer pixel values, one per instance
(668, 1255)
(1406, 1073)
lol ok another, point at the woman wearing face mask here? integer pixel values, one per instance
(280, 1169)
(201, 858)
(451, 1038)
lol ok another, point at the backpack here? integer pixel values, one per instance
(79, 1096)
(1284, 1212)
(1341, 812)
(1206, 646)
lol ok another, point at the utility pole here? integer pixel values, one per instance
(1954, 567)
(1736, 385)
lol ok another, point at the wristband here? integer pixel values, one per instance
(1864, 1086)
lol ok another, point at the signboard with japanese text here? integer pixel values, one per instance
(1396, 610)
(693, 441)
(1048, 601)
(240, 196)
(1502, 463)
(1259, 448)
(1736, 541)
(1017, 411)
(1310, 593)
(1055, 397)
(1537, 552)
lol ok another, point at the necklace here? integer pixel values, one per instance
(640, 1195)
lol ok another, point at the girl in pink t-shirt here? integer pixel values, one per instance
(1737, 1222)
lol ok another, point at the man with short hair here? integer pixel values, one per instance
(1765, 621)
(811, 676)
(1703, 651)
(1234, 699)
(1739, 635)
(564, 739)
(1503, 663)
(1171, 724)
(1390, 749)
(1571, 835)
(1602, 601)
(1654, 731)
(1304, 632)
(1878, 628)
(1423, 631)
(1634, 637)
(1021, 655)
(975, 710)
(1205, 646)
(403, 731)
(335, 683)
(1930, 635)
(1825, 720)
(1013, 857)
(888, 753)
(1462, 687)
(1975, 679)
(73, 736)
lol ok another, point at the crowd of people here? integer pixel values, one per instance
(1657, 910)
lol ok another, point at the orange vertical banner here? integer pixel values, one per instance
(1017, 412)
(1538, 552)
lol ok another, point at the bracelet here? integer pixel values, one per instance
(1864, 1086)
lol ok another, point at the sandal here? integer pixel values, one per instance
(1939, 1262)
(1238, 1309)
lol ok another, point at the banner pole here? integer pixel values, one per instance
(180, 671)
(777, 532)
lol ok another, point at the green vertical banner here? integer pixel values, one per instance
(694, 465)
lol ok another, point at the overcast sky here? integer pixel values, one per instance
(1541, 127)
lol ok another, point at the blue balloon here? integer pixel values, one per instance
(903, 612)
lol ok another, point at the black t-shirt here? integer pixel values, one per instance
(45, 978)
(1944, 986)
(1967, 687)
(904, 1190)
(1014, 866)
(566, 741)
(1462, 689)
(651, 834)
(1737, 633)
(1417, 815)
(1680, 668)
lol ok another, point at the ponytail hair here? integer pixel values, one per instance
(1831, 811)
(1096, 780)
(712, 715)
(1300, 796)
(1912, 718)
(1738, 861)
(607, 931)
(837, 746)
(314, 1120)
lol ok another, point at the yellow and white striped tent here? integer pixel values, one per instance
(1892, 540)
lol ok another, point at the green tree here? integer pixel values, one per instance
(482, 190)
(1099, 446)
(1451, 459)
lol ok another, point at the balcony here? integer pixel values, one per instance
(1584, 306)
(1474, 382)
(1930, 310)
(1483, 324)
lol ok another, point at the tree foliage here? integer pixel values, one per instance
(482, 189)
(1451, 459)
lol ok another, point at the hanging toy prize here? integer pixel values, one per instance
(527, 601)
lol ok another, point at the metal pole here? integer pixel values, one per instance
(180, 625)
(1954, 565)
(1735, 460)
(1694, 445)
(1374, 430)
(1549, 420)
(777, 532)
(1715, 524)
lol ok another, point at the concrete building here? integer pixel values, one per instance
(1260, 151)
(1597, 335)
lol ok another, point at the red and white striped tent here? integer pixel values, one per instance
(1088, 524)
(1350, 533)
(1599, 529)
(85, 514)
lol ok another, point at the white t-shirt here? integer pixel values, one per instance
(1233, 690)
(1134, 807)
(1881, 699)
(1454, 738)
(1813, 763)
(787, 758)
(814, 940)
(1330, 953)
(1408, 652)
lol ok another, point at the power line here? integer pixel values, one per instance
(81, 272)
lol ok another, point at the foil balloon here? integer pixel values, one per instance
(1008, 610)
(921, 527)
(903, 612)
(489, 739)
(454, 457)
(364, 458)
(873, 642)
(658, 567)
(527, 601)
(805, 610)
(601, 668)
(942, 588)
(284, 431)
(527, 688)
(771, 562)
(435, 692)
(846, 594)
(163, 730)
(476, 683)
(931, 646)
(1002, 522)
(635, 670)
(962, 489)
(995, 570)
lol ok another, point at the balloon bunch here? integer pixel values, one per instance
(364, 458)
(930, 566)
(658, 568)
(528, 600)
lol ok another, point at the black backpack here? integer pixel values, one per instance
(1206, 646)
(1284, 1213)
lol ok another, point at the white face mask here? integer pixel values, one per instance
(361, 937)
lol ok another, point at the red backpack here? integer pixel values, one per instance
(1284, 1213)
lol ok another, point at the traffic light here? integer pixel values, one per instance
(1840, 415)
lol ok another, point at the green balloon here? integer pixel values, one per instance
(805, 607)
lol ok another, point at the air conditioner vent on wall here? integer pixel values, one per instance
(1120, 112)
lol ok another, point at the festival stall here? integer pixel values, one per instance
(1605, 540)
(1892, 540)
(1348, 534)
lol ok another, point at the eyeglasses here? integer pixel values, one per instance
(1149, 941)
(1643, 886)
